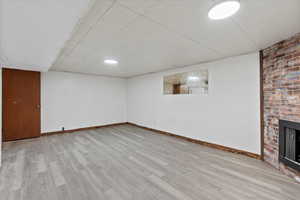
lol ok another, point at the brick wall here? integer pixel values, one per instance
(281, 88)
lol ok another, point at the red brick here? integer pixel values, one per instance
(281, 88)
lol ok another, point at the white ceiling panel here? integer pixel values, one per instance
(98, 43)
(143, 35)
(189, 18)
(268, 21)
(34, 31)
(140, 43)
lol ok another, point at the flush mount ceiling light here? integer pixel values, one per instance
(111, 62)
(224, 9)
(193, 78)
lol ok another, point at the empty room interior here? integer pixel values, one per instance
(150, 100)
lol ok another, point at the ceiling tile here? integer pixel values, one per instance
(189, 18)
(98, 39)
(269, 21)
(142, 47)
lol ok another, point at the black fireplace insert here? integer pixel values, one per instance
(289, 143)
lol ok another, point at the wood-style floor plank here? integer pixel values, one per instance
(130, 163)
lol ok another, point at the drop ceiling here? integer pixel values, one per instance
(143, 35)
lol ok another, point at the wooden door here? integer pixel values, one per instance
(21, 104)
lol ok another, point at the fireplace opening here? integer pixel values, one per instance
(289, 143)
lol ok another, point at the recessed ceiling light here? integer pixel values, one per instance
(111, 62)
(224, 9)
(193, 78)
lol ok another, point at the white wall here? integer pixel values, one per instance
(73, 101)
(228, 116)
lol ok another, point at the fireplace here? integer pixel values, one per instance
(289, 143)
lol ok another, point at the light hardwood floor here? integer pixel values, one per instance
(129, 163)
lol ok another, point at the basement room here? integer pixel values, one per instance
(150, 100)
